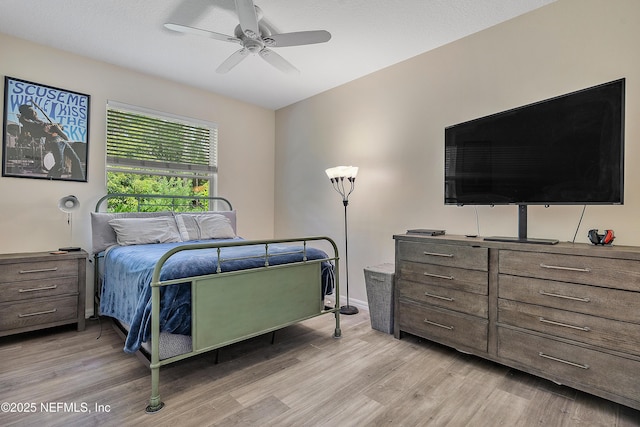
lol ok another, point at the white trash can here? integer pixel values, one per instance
(379, 283)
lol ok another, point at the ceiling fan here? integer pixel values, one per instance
(255, 37)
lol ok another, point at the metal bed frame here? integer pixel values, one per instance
(247, 303)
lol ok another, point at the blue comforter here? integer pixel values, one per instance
(126, 294)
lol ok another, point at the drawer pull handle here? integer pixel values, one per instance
(438, 276)
(438, 254)
(557, 267)
(566, 325)
(549, 294)
(41, 270)
(577, 365)
(44, 288)
(439, 325)
(38, 313)
(427, 294)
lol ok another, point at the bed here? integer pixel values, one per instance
(173, 273)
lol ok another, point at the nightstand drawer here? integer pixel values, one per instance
(444, 297)
(19, 291)
(469, 257)
(21, 271)
(38, 311)
(447, 327)
(612, 273)
(570, 364)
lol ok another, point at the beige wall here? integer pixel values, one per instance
(29, 217)
(391, 124)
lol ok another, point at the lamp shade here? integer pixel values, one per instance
(342, 172)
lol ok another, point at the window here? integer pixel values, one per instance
(149, 152)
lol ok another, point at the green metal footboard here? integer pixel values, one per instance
(229, 307)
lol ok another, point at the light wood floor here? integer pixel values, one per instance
(307, 378)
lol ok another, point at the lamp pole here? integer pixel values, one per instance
(338, 175)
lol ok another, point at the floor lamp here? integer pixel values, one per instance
(338, 175)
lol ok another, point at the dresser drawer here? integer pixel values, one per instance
(38, 311)
(38, 270)
(475, 281)
(597, 331)
(447, 327)
(613, 273)
(19, 291)
(469, 257)
(604, 302)
(572, 364)
(444, 297)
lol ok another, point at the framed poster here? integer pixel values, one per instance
(46, 132)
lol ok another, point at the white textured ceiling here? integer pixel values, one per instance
(367, 35)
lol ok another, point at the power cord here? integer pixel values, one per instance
(579, 222)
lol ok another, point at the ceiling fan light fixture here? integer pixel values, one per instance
(254, 37)
(253, 46)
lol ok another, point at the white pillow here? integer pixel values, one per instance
(187, 227)
(215, 227)
(140, 231)
(102, 232)
(204, 226)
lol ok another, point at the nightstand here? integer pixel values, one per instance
(40, 290)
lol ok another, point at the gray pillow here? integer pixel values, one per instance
(103, 234)
(141, 231)
(204, 226)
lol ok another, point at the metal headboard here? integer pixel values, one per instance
(163, 202)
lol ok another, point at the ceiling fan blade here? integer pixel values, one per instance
(278, 61)
(232, 61)
(248, 18)
(298, 38)
(199, 32)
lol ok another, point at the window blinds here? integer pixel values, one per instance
(149, 143)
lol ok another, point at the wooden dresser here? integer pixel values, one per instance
(567, 312)
(40, 290)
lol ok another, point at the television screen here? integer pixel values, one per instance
(564, 150)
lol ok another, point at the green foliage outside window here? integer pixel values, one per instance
(125, 183)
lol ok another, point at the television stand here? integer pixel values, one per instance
(522, 232)
(519, 240)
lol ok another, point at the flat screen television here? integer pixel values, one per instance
(567, 150)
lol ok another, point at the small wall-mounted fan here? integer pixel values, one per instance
(68, 205)
(255, 37)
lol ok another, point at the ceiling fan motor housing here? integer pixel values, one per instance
(255, 37)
